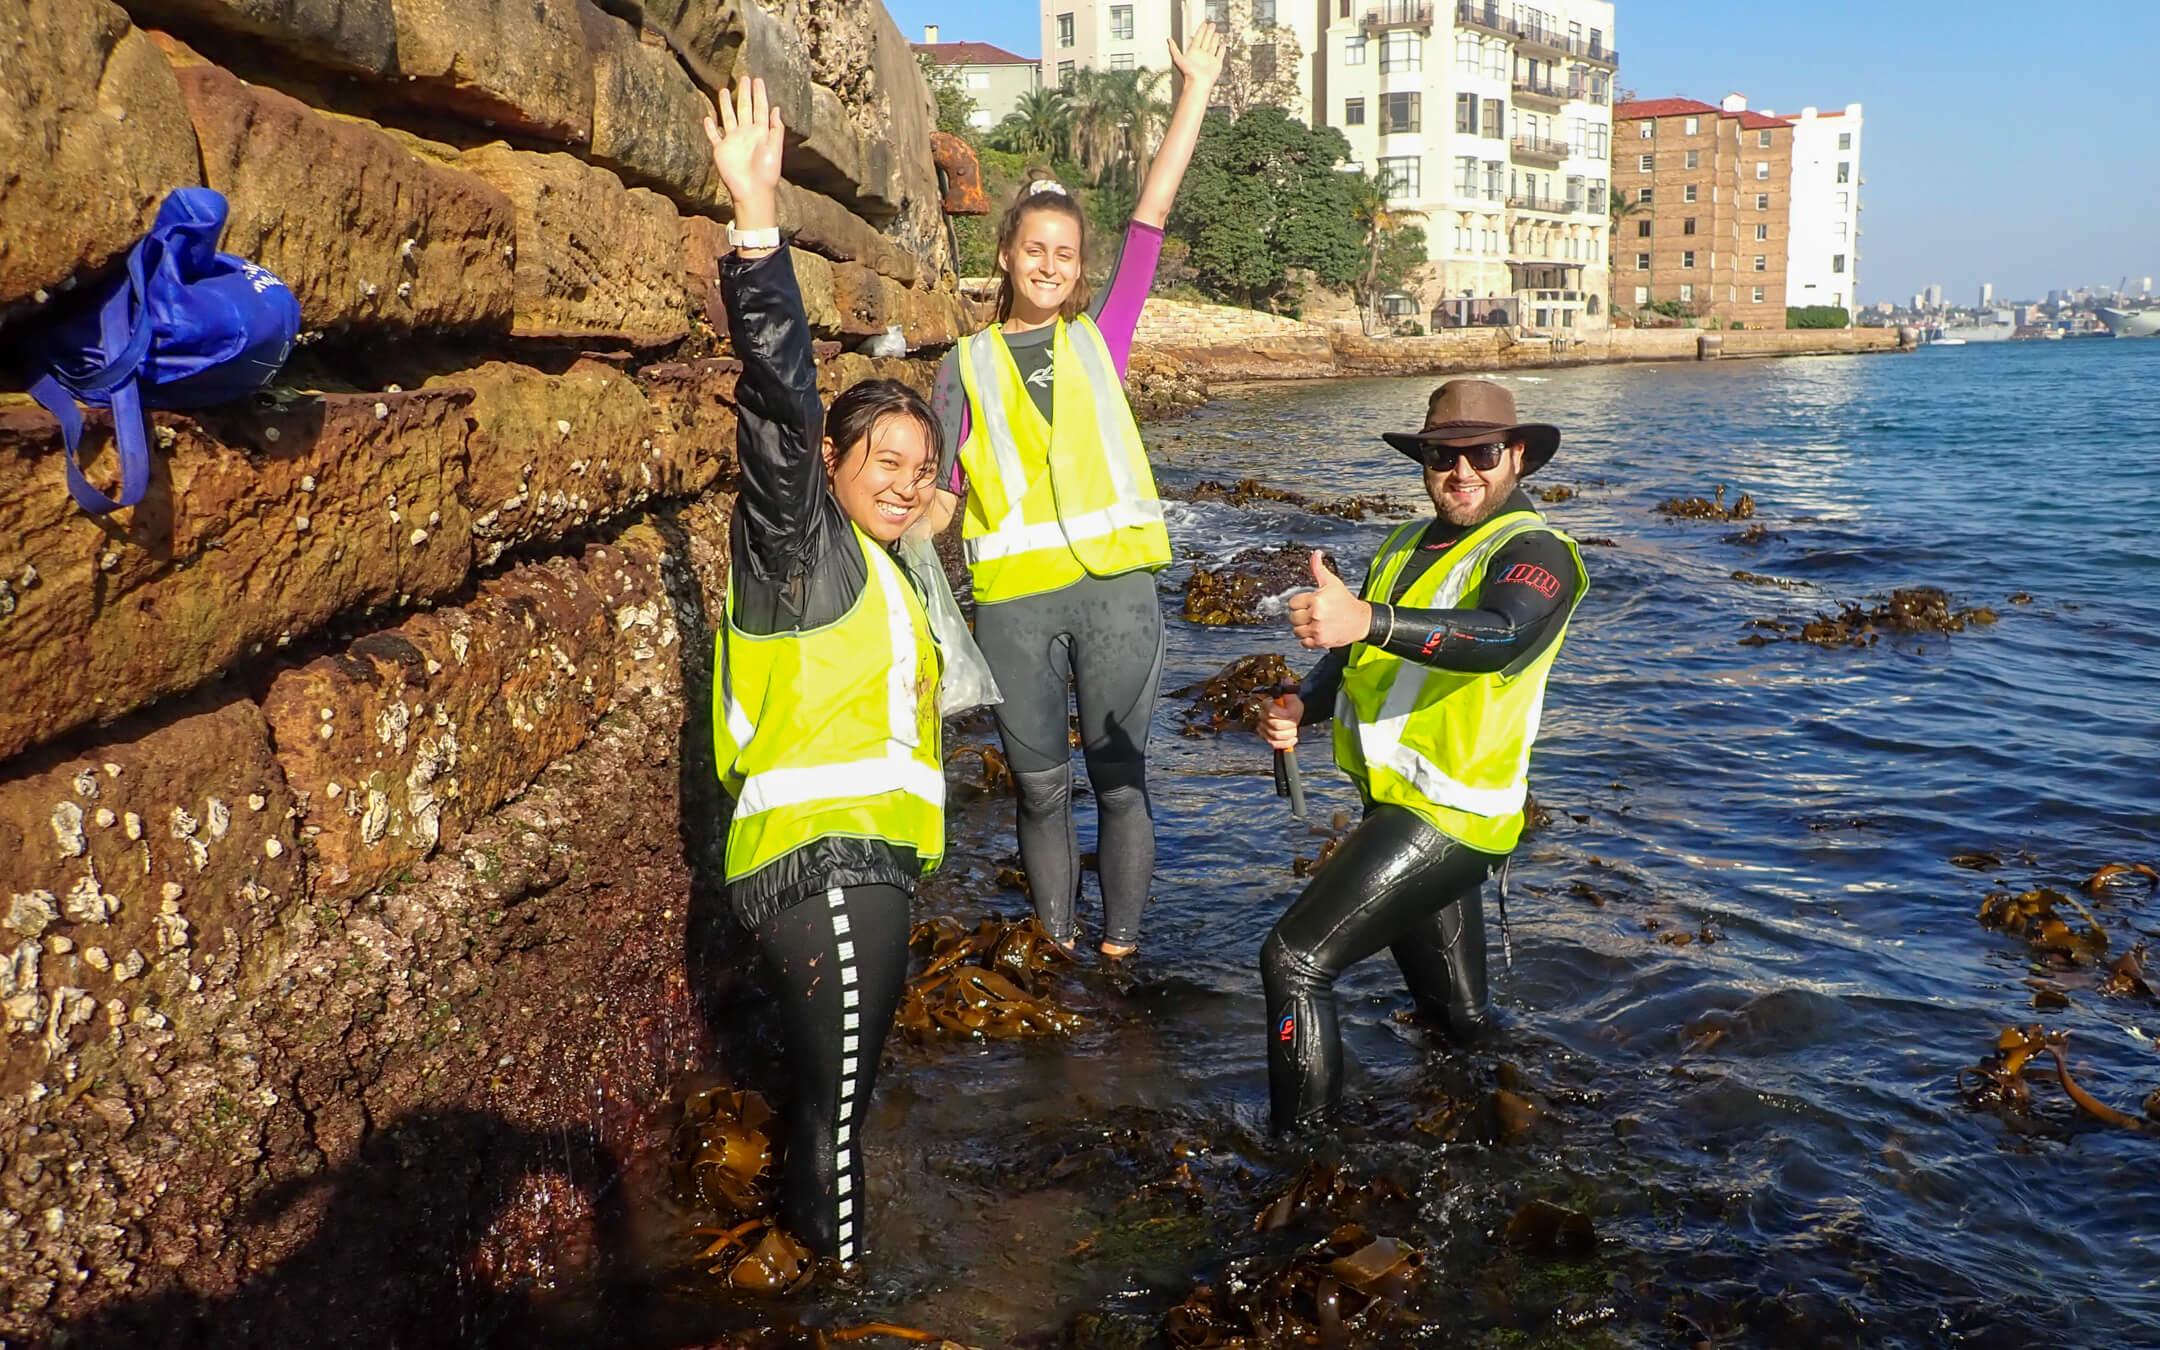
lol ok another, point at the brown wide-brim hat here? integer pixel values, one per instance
(1477, 412)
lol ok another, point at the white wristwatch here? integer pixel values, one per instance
(769, 237)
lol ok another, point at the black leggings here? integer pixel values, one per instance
(1398, 883)
(841, 958)
(1102, 637)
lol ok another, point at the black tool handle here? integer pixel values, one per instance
(1289, 782)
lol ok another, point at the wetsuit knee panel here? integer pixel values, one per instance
(1045, 792)
(1286, 965)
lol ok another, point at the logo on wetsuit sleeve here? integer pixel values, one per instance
(1533, 576)
(1286, 1028)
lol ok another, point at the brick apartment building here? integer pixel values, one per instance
(1709, 194)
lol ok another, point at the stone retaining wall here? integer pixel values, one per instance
(1219, 342)
(354, 786)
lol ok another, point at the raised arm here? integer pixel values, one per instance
(1201, 65)
(780, 422)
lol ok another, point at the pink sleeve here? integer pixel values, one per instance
(1127, 294)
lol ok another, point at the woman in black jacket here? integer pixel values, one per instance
(826, 698)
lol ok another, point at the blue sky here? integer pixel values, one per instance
(2006, 142)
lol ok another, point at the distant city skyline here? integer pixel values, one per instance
(1968, 178)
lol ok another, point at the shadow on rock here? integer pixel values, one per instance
(447, 1229)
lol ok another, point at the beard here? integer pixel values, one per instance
(1495, 489)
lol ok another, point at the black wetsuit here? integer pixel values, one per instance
(831, 917)
(1396, 882)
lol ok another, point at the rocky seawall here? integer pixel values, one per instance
(358, 840)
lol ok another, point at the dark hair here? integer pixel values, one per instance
(1027, 203)
(856, 413)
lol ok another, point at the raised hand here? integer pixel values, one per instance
(1328, 615)
(746, 143)
(1201, 61)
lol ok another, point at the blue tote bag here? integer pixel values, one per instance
(185, 327)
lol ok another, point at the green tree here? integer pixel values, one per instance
(1393, 247)
(1038, 127)
(954, 105)
(1263, 197)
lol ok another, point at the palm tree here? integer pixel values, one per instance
(1369, 207)
(1096, 132)
(1147, 113)
(1039, 126)
(1621, 209)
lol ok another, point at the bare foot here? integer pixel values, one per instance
(1118, 951)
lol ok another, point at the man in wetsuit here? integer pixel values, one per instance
(1435, 677)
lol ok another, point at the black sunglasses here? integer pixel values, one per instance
(1483, 458)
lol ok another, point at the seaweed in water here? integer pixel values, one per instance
(1906, 612)
(2032, 915)
(1234, 592)
(1349, 1288)
(725, 1157)
(1998, 1081)
(1698, 508)
(1246, 491)
(1229, 698)
(984, 984)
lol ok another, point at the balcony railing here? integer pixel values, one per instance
(1558, 206)
(1389, 14)
(1537, 147)
(1486, 14)
(1527, 88)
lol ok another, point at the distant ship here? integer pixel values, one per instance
(2131, 322)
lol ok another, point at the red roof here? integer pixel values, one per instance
(1679, 107)
(971, 54)
(1660, 107)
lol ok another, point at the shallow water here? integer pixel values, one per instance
(1811, 1175)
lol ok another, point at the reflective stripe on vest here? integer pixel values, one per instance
(1092, 506)
(1386, 740)
(786, 802)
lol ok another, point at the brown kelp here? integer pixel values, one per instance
(1228, 699)
(985, 983)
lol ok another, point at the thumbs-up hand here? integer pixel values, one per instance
(1328, 615)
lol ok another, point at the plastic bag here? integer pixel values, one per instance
(967, 683)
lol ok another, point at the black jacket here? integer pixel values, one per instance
(794, 563)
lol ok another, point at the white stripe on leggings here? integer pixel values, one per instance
(836, 902)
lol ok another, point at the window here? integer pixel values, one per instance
(1687, 192)
(1469, 53)
(978, 79)
(1844, 140)
(1121, 26)
(1065, 74)
(1642, 296)
(1353, 50)
(1342, 11)
(1844, 200)
(1687, 226)
(1762, 234)
(1600, 88)
(1466, 112)
(1694, 159)
(1648, 129)
(1496, 118)
(1398, 112)
(1121, 61)
(1762, 201)
(1646, 163)
(1687, 259)
(1401, 50)
(1496, 60)
(1218, 13)
(1841, 231)
(1495, 174)
(1687, 293)
(1597, 42)
(1466, 175)
(1758, 295)
(1263, 61)
(1598, 143)
(1837, 262)
(1353, 112)
(1762, 263)
(1642, 262)
(1762, 168)
(1399, 175)
(1844, 171)
(1263, 13)
(1643, 195)
(1597, 196)
(1065, 30)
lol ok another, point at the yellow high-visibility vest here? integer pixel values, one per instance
(1051, 502)
(833, 730)
(1451, 746)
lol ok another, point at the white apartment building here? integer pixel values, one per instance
(1493, 120)
(1490, 119)
(1822, 262)
(1093, 35)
